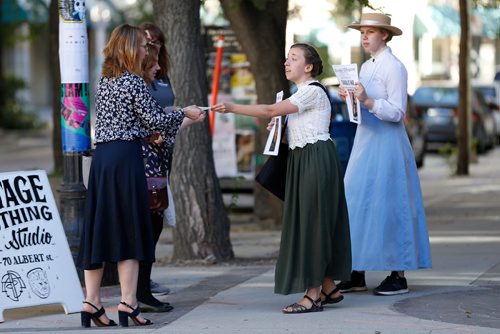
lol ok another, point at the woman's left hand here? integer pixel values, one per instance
(200, 118)
(360, 92)
(342, 93)
(159, 140)
(192, 112)
(155, 138)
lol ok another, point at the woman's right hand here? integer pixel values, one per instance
(271, 124)
(192, 112)
(223, 108)
(342, 93)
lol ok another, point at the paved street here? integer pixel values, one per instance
(460, 294)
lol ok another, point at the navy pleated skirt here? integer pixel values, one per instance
(117, 221)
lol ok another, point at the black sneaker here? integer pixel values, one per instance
(356, 284)
(392, 285)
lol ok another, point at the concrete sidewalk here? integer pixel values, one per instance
(26, 150)
(461, 294)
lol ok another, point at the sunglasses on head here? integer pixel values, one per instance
(150, 39)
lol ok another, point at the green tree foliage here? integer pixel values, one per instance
(348, 10)
(12, 115)
(13, 17)
(486, 3)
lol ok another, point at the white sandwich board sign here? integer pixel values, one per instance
(36, 266)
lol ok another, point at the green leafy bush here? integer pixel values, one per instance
(12, 114)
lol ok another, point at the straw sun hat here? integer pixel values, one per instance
(376, 20)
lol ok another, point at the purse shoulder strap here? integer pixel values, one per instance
(284, 128)
(317, 84)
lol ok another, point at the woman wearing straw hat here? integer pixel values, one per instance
(386, 212)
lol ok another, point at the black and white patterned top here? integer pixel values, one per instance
(158, 157)
(125, 110)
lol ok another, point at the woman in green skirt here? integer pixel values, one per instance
(315, 242)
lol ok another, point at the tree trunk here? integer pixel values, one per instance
(55, 77)
(202, 229)
(464, 107)
(262, 35)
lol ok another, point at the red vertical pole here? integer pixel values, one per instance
(215, 81)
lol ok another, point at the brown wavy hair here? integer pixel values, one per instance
(121, 54)
(150, 61)
(155, 35)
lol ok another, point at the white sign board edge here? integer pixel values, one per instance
(36, 265)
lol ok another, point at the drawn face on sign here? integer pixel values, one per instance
(12, 285)
(39, 283)
(79, 10)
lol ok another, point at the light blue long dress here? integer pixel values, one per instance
(384, 200)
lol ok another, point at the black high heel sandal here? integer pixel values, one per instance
(86, 316)
(123, 316)
(329, 299)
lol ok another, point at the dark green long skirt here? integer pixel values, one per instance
(315, 238)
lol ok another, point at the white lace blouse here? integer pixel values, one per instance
(312, 122)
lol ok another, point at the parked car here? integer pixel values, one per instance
(439, 105)
(491, 94)
(416, 128)
(414, 125)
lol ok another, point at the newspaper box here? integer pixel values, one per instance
(342, 133)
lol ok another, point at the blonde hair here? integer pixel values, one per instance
(150, 61)
(121, 54)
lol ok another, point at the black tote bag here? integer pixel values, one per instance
(272, 176)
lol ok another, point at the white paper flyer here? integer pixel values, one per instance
(274, 139)
(348, 76)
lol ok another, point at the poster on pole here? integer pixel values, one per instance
(75, 117)
(73, 60)
(36, 265)
(73, 42)
(348, 77)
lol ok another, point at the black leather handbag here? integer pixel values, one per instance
(272, 176)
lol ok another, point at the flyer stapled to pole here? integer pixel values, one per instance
(348, 77)
(274, 138)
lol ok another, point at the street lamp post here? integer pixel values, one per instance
(74, 116)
